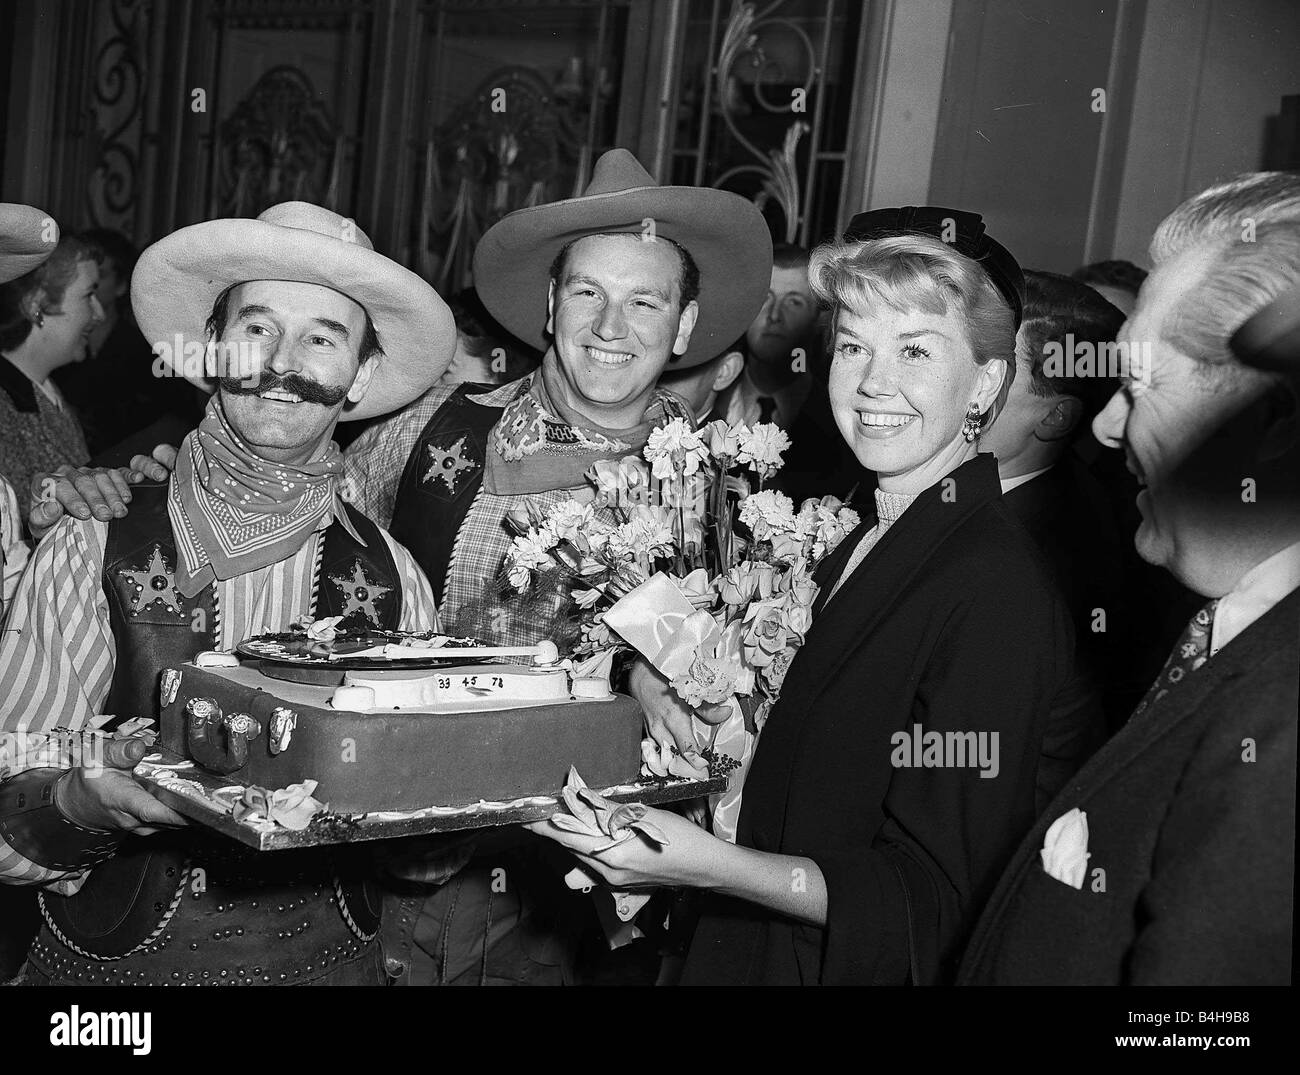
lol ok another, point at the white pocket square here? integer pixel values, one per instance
(1065, 849)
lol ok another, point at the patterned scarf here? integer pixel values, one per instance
(540, 444)
(233, 512)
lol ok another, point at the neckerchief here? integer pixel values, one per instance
(540, 444)
(233, 512)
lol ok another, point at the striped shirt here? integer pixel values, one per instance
(57, 655)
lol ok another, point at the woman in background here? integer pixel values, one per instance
(47, 314)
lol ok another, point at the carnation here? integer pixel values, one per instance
(774, 510)
(675, 446)
(568, 519)
(529, 552)
(761, 447)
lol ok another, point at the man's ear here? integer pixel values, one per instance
(550, 309)
(361, 382)
(685, 326)
(1061, 420)
(728, 370)
(1280, 422)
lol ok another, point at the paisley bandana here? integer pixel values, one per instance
(539, 445)
(233, 512)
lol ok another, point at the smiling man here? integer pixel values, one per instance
(615, 287)
(1169, 858)
(250, 534)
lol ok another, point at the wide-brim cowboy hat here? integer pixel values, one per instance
(725, 234)
(27, 237)
(177, 280)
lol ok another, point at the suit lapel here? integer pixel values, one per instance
(1267, 634)
(1276, 629)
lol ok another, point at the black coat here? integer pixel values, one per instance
(952, 621)
(1196, 843)
(1069, 516)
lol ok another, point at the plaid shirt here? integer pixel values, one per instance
(471, 601)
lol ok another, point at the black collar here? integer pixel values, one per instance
(978, 480)
(19, 387)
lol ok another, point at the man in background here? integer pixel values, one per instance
(1063, 349)
(776, 381)
(1118, 282)
(704, 386)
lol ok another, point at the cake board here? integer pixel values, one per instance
(207, 799)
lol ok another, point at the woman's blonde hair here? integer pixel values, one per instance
(917, 272)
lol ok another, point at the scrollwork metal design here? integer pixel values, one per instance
(279, 144)
(117, 88)
(483, 163)
(778, 169)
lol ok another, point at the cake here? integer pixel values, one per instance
(386, 740)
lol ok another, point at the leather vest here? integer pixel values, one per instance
(154, 626)
(442, 476)
(144, 916)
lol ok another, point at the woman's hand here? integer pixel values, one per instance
(667, 717)
(101, 491)
(692, 857)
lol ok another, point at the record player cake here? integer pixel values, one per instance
(386, 721)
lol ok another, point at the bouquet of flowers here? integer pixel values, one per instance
(676, 554)
(762, 611)
(666, 510)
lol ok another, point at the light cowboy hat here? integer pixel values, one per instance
(725, 234)
(27, 237)
(178, 278)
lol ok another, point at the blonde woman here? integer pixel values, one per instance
(933, 704)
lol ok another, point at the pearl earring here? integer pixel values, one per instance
(970, 428)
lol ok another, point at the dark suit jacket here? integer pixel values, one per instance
(1197, 843)
(951, 622)
(1069, 516)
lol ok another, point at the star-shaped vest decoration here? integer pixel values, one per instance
(448, 464)
(359, 593)
(152, 587)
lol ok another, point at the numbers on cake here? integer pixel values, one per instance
(498, 682)
(444, 683)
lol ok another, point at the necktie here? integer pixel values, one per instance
(766, 408)
(1190, 652)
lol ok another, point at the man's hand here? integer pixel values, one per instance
(667, 717)
(101, 491)
(107, 798)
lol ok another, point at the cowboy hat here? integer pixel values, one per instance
(725, 234)
(27, 237)
(177, 280)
